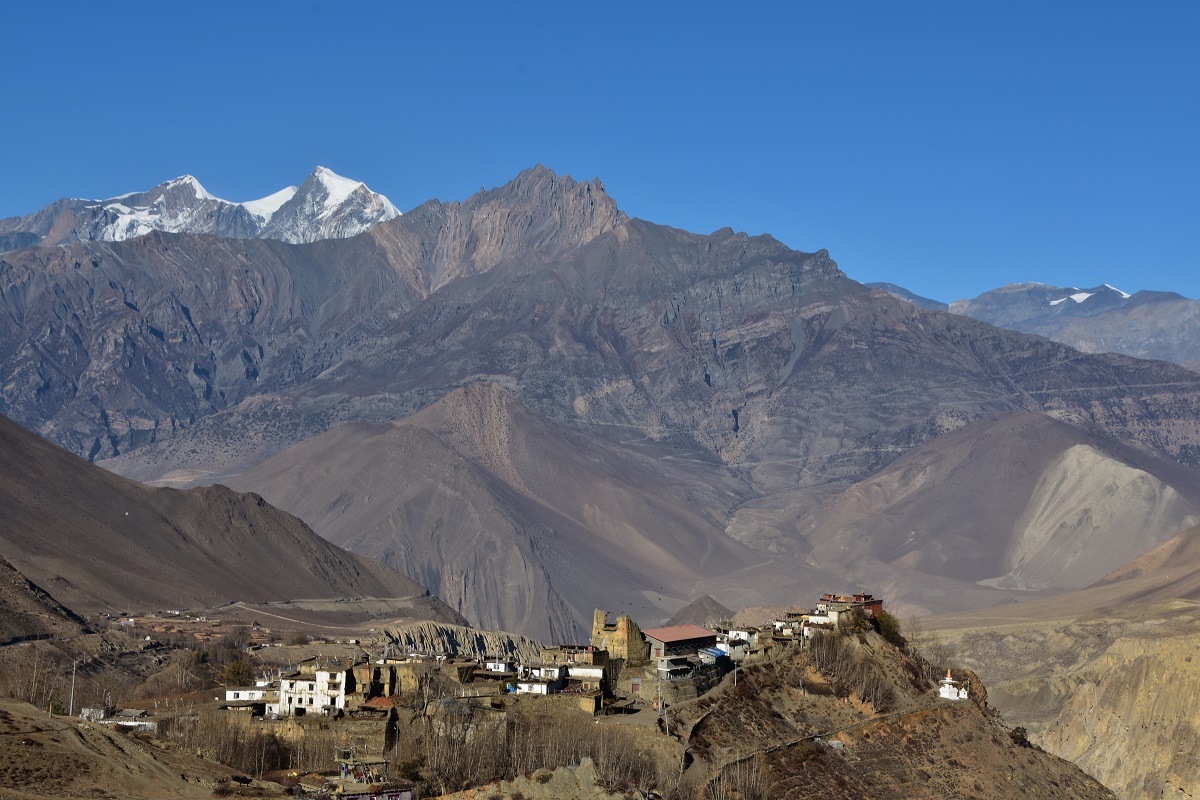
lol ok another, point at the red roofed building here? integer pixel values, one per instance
(678, 640)
(870, 604)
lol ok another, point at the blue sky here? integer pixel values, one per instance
(949, 147)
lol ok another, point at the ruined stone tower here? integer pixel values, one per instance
(622, 639)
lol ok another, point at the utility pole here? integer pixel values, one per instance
(71, 708)
(662, 709)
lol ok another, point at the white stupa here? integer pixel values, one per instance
(951, 689)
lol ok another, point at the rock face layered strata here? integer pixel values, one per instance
(1131, 720)
(438, 637)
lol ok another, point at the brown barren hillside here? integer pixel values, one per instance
(44, 756)
(99, 542)
(518, 522)
(852, 717)
(1018, 501)
(29, 612)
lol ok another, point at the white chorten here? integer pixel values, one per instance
(951, 689)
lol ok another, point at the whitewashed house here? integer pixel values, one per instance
(737, 643)
(322, 692)
(542, 679)
(263, 690)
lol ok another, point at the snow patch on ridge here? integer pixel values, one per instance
(1078, 297)
(265, 207)
(339, 188)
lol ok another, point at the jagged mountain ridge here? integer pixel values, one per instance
(725, 342)
(98, 542)
(324, 206)
(108, 346)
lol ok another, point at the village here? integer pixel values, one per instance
(622, 670)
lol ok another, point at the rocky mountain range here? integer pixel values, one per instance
(489, 393)
(324, 206)
(1103, 319)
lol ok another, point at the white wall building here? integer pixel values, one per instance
(542, 679)
(323, 692)
(262, 690)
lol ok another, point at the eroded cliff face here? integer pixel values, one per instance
(436, 637)
(1131, 719)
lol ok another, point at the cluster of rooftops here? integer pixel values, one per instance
(669, 653)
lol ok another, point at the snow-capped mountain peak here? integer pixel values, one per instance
(328, 206)
(339, 188)
(325, 206)
(193, 184)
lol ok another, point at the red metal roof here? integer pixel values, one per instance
(678, 633)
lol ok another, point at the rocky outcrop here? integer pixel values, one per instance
(1131, 719)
